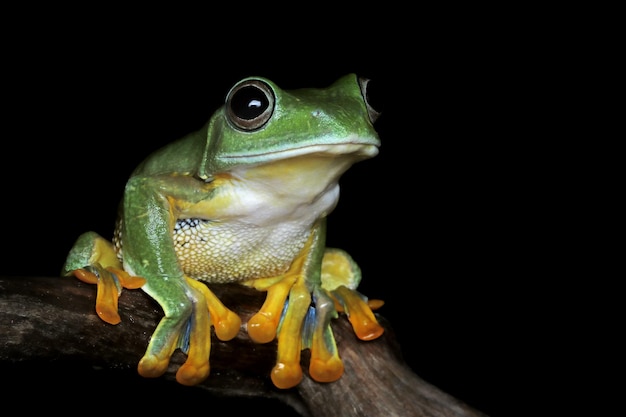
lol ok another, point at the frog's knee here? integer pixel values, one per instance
(338, 268)
(88, 250)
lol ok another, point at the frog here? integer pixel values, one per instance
(244, 199)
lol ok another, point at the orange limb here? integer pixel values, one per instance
(109, 283)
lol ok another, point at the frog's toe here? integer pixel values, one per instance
(326, 370)
(152, 366)
(286, 374)
(325, 364)
(225, 322)
(262, 327)
(227, 326)
(359, 312)
(192, 374)
(108, 291)
(340, 277)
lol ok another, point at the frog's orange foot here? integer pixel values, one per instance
(325, 364)
(110, 282)
(359, 311)
(108, 291)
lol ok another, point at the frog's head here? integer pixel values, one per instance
(261, 123)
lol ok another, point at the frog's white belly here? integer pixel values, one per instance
(236, 251)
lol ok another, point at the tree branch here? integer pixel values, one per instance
(49, 320)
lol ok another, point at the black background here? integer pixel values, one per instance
(438, 221)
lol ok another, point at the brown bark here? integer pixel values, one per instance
(47, 320)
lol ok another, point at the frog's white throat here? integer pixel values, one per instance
(302, 188)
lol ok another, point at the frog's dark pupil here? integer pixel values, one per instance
(249, 102)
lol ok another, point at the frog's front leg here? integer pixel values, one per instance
(185, 325)
(190, 309)
(189, 306)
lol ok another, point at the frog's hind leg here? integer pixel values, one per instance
(176, 326)
(340, 277)
(93, 260)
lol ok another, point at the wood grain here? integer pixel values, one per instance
(48, 320)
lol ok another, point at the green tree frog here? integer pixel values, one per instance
(243, 200)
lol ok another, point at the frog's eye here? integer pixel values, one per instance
(250, 104)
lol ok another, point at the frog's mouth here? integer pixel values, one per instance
(306, 171)
(357, 151)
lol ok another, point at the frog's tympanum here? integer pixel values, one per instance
(243, 200)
